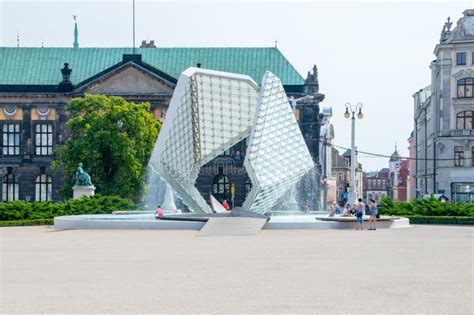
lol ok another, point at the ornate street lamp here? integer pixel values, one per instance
(350, 113)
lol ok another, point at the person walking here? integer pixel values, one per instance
(359, 214)
(373, 214)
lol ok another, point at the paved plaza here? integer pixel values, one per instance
(422, 269)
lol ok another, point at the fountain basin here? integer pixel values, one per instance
(187, 221)
(123, 222)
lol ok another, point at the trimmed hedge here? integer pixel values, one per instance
(27, 222)
(440, 220)
(21, 211)
(426, 207)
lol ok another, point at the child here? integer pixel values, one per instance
(159, 212)
(226, 205)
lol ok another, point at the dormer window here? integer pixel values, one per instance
(461, 58)
(465, 87)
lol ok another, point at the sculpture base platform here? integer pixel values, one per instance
(80, 191)
(195, 222)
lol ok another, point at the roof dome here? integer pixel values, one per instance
(395, 156)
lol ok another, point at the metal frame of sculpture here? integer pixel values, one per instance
(211, 111)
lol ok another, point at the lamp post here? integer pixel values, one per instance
(351, 114)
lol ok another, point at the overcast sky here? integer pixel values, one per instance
(368, 52)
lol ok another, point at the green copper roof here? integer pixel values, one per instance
(42, 66)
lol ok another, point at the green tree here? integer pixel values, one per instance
(114, 139)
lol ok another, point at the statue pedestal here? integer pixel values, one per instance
(80, 191)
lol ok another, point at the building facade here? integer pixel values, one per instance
(375, 185)
(36, 84)
(411, 183)
(398, 177)
(443, 131)
(341, 170)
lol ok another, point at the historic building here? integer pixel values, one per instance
(398, 177)
(443, 112)
(37, 83)
(375, 185)
(341, 170)
(411, 183)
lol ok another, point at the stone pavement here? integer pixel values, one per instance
(423, 269)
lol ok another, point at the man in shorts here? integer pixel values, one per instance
(360, 207)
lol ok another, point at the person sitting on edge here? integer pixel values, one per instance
(354, 209)
(336, 206)
(159, 212)
(332, 210)
(347, 211)
(306, 207)
(359, 214)
(226, 205)
(373, 214)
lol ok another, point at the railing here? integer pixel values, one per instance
(456, 133)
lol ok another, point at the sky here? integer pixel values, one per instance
(374, 53)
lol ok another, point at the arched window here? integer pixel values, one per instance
(10, 188)
(465, 87)
(221, 187)
(464, 120)
(43, 188)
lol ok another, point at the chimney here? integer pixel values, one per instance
(151, 44)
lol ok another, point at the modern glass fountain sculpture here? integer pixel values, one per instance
(211, 111)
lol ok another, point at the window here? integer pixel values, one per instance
(221, 187)
(462, 192)
(11, 139)
(472, 58)
(461, 58)
(10, 188)
(43, 188)
(44, 139)
(464, 120)
(465, 87)
(226, 153)
(472, 156)
(459, 156)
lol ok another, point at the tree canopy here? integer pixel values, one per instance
(113, 139)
